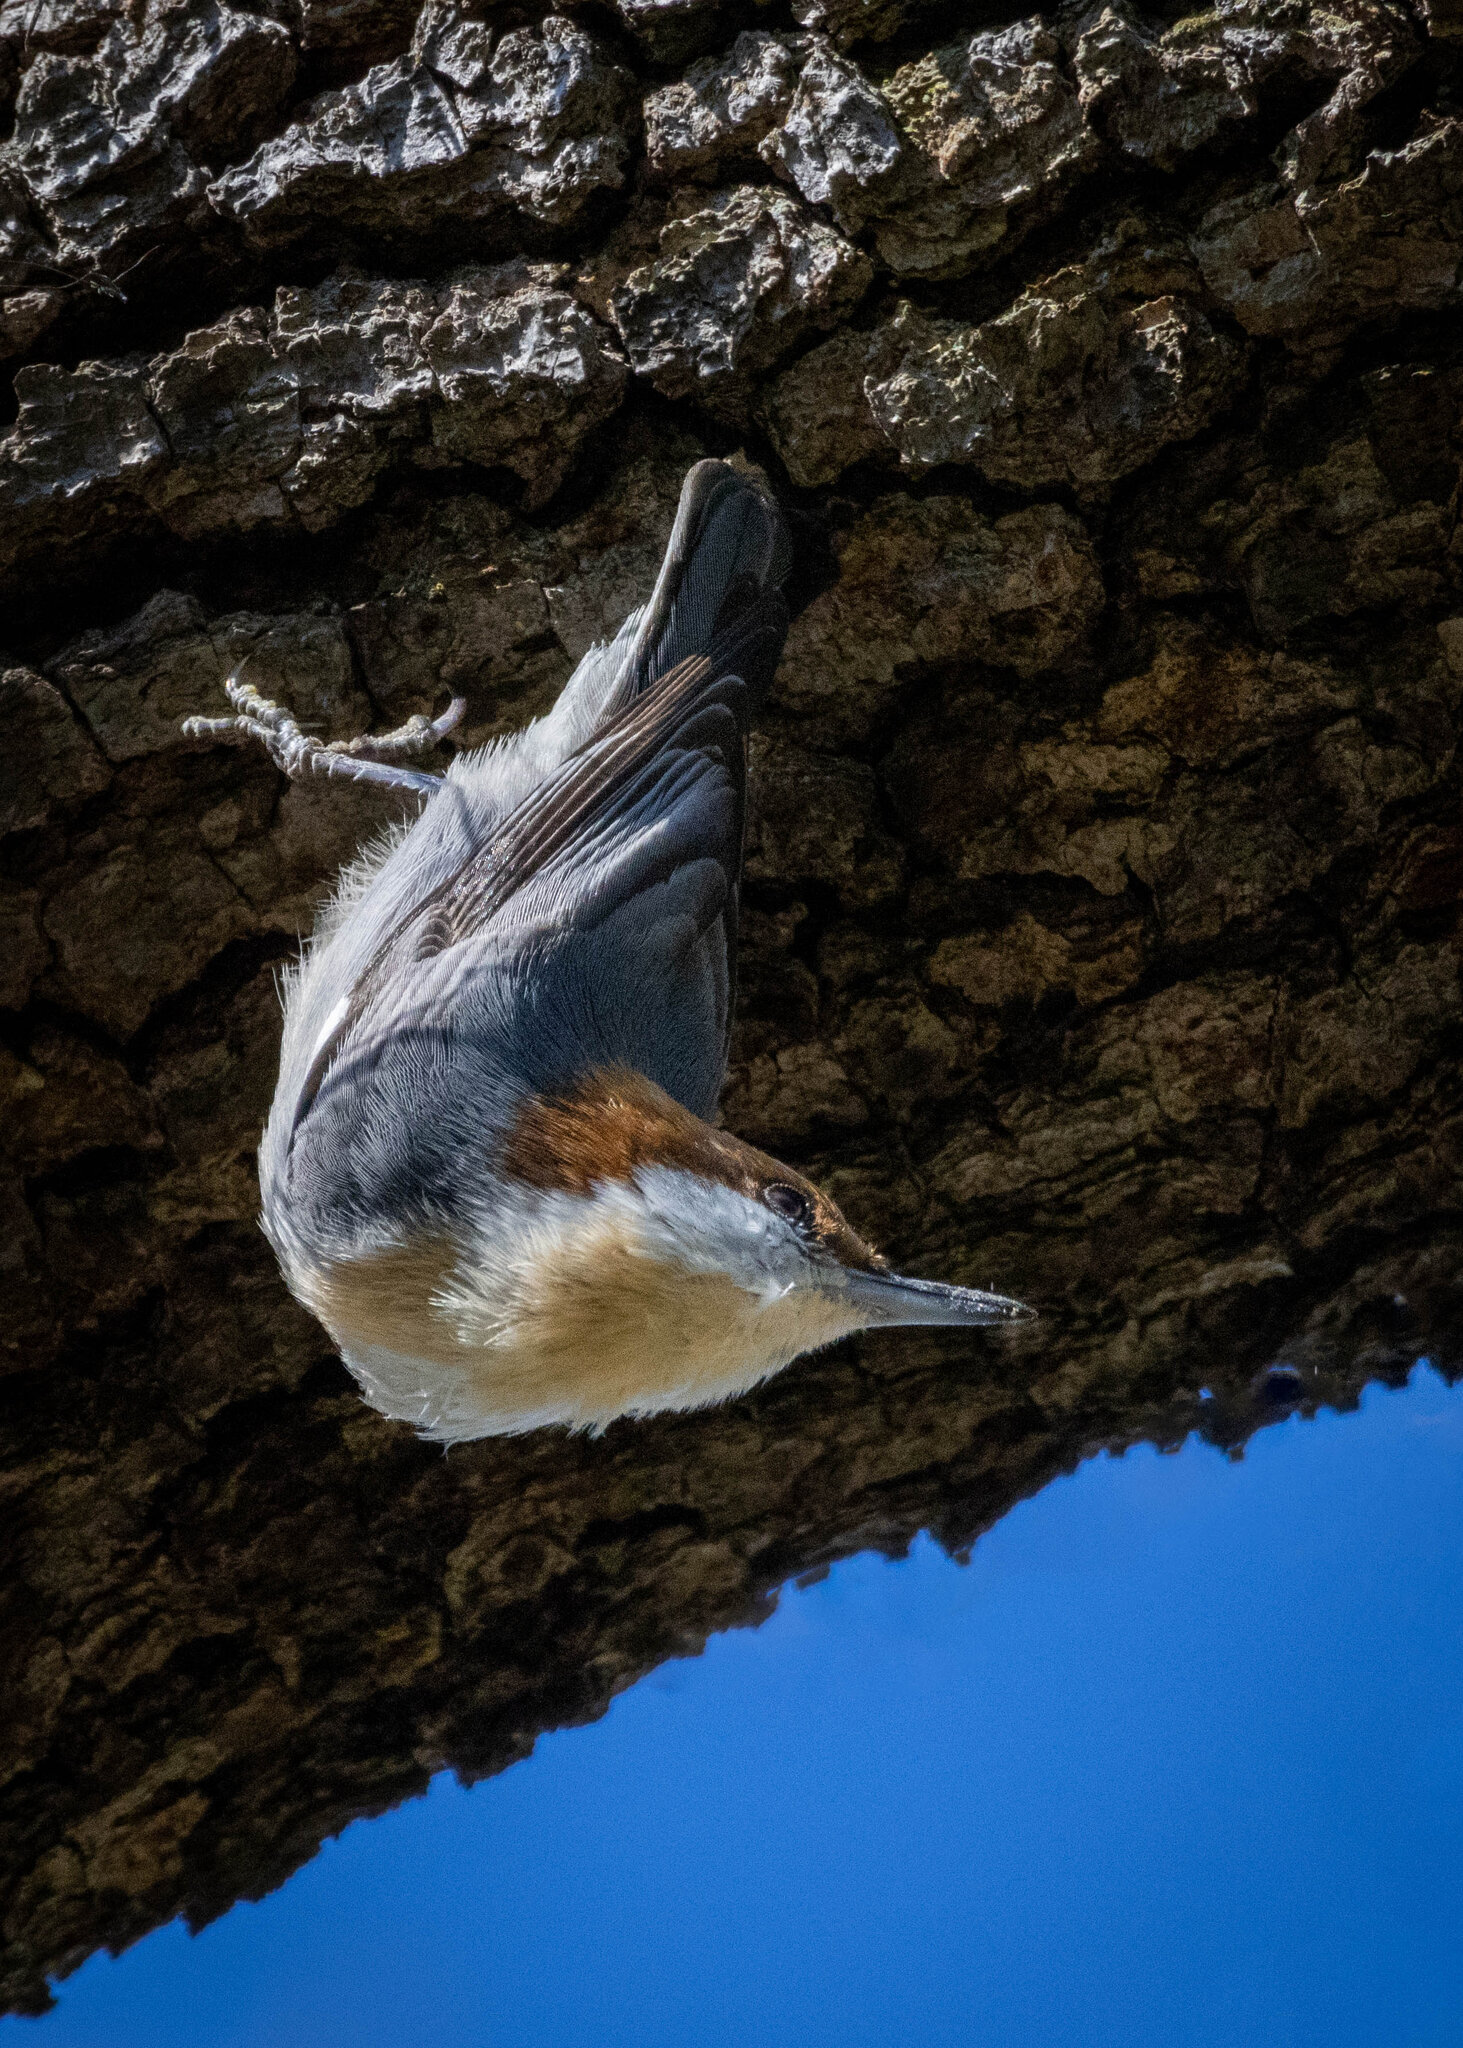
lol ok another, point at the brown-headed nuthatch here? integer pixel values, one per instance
(489, 1169)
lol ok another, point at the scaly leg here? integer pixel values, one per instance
(360, 760)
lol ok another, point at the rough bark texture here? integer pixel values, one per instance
(1103, 906)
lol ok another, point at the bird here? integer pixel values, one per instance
(491, 1168)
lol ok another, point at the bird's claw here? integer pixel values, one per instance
(259, 720)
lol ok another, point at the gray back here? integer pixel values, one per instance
(567, 900)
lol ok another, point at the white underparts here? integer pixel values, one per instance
(665, 1292)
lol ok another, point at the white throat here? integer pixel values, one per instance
(669, 1292)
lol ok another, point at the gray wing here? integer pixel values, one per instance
(727, 547)
(639, 832)
(597, 931)
(592, 922)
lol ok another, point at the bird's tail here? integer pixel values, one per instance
(727, 556)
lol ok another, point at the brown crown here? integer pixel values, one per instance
(614, 1122)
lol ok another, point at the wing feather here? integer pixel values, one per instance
(616, 818)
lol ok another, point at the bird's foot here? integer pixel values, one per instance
(378, 759)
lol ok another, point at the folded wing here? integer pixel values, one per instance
(596, 923)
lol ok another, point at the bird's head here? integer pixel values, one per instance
(626, 1258)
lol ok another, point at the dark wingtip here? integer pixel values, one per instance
(728, 554)
(708, 484)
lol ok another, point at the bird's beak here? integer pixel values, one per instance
(889, 1301)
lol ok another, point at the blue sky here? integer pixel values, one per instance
(1177, 1760)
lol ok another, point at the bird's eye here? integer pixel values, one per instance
(788, 1202)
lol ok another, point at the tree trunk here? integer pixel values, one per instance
(1102, 930)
